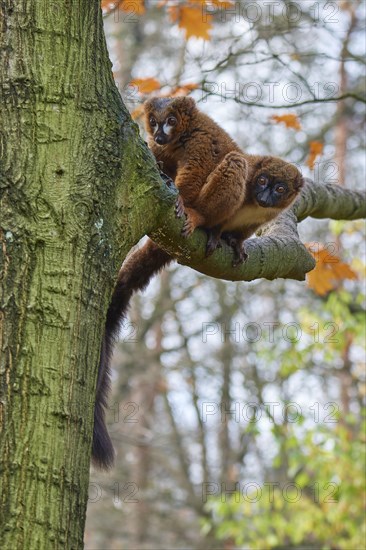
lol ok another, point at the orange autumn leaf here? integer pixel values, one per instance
(184, 89)
(316, 149)
(226, 3)
(138, 112)
(213, 4)
(289, 120)
(328, 272)
(192, 20)
(109, 5)
(133, 6)
(146, 85)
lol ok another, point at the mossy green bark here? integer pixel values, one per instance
(71, 161)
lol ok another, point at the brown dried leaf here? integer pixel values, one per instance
(328, 272)
(134, 6)
(316, 149)
(146, 85)
(191, 20)
(289, 120)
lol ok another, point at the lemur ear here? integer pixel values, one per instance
(189, 103)
(186, 104)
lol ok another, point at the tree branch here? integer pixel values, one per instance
(278, 252)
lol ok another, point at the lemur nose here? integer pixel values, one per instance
(159, 140)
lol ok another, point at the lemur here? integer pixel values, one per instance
(221, 189)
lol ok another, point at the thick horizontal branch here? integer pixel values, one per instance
(330, 201)
(278, 252)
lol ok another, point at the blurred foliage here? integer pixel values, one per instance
(320, 506)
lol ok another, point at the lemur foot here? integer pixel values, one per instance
(179, 208)
(213, 241)
(239, 255)
(188, 228)
(167, 180)
(238, 248)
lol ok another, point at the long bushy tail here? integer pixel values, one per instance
(134, 275)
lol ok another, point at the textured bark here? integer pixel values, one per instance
(71, 162)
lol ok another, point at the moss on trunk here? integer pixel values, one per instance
(71, 161)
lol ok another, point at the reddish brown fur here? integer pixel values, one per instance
(213, 176)
(216, 182)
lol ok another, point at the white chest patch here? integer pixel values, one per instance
(250, 215)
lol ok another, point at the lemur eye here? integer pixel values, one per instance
(280, 189)
(172, 121)
(152, 121)
(262, 180)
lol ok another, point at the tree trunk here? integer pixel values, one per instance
(71, 159)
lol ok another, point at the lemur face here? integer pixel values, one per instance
(162, 130)
(277, 187)
(166, 119)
